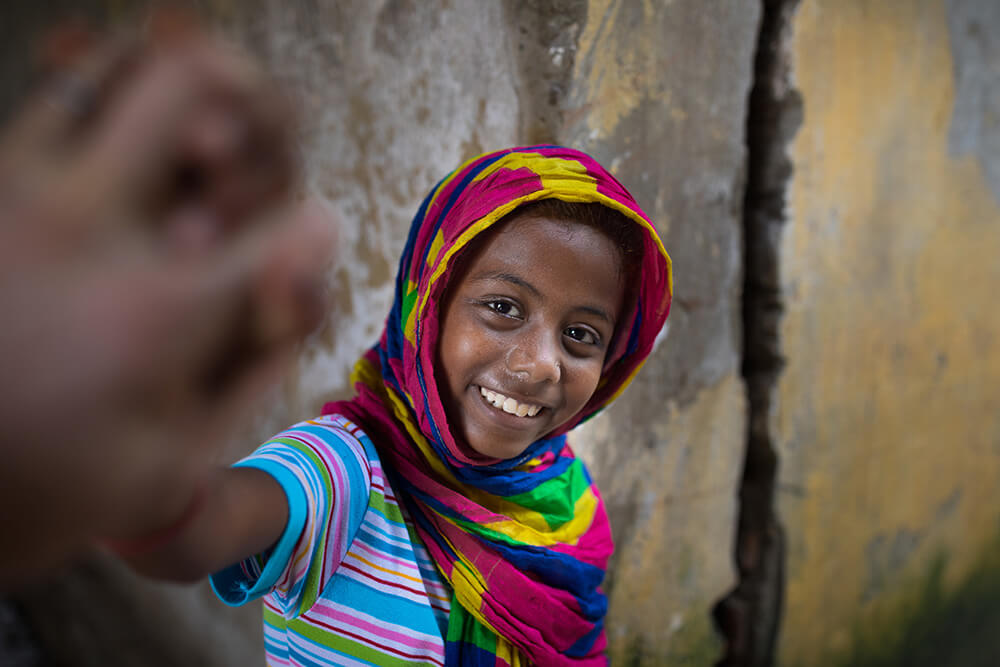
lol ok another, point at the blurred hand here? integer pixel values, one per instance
(154, 278)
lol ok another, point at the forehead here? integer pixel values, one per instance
(558, 254)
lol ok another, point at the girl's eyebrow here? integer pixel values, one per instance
(521, 282)
(599, 312)
(507, 278)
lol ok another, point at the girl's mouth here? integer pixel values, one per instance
(508, 404)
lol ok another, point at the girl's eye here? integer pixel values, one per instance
(505, 308)
(582, 335)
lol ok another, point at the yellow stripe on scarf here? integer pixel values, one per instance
(365, 372)
(510, 653)
(468, 583)
(435, 248)
(548, 169)
(524, 524)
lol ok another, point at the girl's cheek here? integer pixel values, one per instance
(591, 378)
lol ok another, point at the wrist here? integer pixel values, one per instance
(157, 539)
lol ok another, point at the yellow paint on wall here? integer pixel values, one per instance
(614, 62)
(887, 416)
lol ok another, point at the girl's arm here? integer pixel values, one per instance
(240, 512)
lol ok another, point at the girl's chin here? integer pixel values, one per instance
(485, 434)
(492, 451)
(482, 449)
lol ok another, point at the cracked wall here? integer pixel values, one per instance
(871, 221)
(659, 93)
(749, 616)
(393, 93)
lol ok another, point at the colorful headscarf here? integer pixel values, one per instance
(523, 542)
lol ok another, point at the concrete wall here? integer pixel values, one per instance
(393, 94)
(887, 422)
(659, 93)
(867, 194)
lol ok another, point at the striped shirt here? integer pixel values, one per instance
(348, 582)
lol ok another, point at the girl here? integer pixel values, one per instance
(440, 517)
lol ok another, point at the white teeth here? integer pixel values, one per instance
(509, 405)
(491, 396)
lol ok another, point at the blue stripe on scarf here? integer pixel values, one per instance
(468, 655)
(585, 643)
(580, 579)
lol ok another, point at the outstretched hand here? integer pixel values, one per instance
(155, 276)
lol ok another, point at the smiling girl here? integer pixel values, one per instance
(440, 517)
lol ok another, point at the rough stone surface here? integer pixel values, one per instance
(883, 420)
(395, 92)
(886, 423)
(659, 94)
(392, 94)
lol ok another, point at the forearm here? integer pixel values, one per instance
(239, 512)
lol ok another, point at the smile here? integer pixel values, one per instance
(508, 404)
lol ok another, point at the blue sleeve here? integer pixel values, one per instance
(325, 473)
(248, 580)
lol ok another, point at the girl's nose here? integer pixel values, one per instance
(536, 357)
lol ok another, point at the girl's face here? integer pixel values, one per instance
(525, 331)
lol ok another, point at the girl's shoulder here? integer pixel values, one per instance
(335, 434)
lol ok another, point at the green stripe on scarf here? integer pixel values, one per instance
(556, 499)
(463, 627)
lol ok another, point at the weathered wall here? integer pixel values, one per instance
(886, 421)
(659, 93)
(393, 94)
(871, 225)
